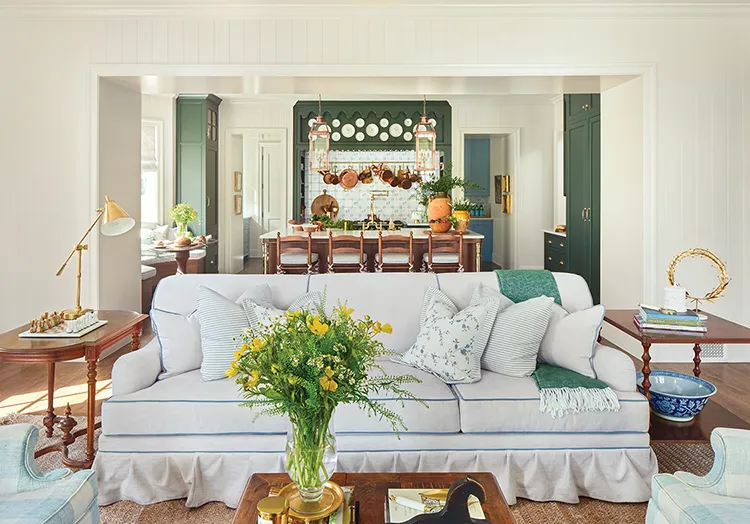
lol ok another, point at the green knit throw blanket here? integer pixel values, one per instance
(520, 285)
(562, 392)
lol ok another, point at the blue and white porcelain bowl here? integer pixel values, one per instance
(677, 396)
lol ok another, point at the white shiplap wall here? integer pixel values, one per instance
(700, 108)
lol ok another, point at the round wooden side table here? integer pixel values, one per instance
(121, 324)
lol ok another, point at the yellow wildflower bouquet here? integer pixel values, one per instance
(303, 365)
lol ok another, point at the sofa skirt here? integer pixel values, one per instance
(611, 467)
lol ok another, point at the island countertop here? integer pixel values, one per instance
(472, 250)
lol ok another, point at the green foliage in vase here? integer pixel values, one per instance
(328, 223)
(445, 183)
(462, 205)
(307, 362)
(183, 214)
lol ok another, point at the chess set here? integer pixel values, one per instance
(54, 325)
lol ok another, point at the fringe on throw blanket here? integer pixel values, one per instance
(559, 402)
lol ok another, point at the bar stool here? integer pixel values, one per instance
(445, 253)
(347, 252)
(294, 253)
(395, 253)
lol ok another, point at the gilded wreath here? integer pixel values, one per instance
(716, 261)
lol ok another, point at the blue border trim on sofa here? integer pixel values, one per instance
(449, 450)
(237, 401)
(516, 399)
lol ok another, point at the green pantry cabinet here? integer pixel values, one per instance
(582, 171)
(477, 170)
(197, 165)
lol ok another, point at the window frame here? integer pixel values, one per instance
(161, 211)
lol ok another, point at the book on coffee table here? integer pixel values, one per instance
(403, 504)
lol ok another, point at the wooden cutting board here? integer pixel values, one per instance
(324, 201)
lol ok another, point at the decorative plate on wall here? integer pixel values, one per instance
(371, 129)
(360, 136)
(408, 136)
(359, 122)
(310, 122)
(336, 122)
(433, 122)
(396, 130)
(336, 136)
(383, 122)
(347, 130)
(383, 136)
(407, 122)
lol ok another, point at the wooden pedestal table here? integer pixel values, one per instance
(182, 254)
(371, 491)
(121, 324)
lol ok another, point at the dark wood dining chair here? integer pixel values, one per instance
(445, 253)
(395, 253)
(347, 253)
(294, 254)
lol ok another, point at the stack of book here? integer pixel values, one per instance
(654, 319)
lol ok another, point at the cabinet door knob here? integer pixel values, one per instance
(562, 245)
(208, 201)
(549, 241)
(583, 213)
(586, 107)
(549, 258)
(562, 263)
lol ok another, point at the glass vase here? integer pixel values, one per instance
(310, 456)
(182, 230)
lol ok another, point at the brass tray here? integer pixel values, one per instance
(333, 497)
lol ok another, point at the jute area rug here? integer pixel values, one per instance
(695, 458)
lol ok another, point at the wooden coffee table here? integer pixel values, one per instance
(371, 490)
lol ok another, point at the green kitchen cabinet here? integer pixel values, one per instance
(582, 141)
(477, 165)
(197, 165)
(581, 106)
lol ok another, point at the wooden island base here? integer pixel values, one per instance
(472, 252)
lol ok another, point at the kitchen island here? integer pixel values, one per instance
(472, 255)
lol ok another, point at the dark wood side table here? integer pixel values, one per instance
(720, 331)
(371, 491)
(121, 324)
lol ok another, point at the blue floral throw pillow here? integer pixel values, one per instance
(451, 342)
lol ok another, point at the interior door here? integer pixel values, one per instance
(273, 186)
(578, 198)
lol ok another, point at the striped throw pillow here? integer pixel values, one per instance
(516, 335)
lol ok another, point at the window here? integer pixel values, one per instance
(151, 171)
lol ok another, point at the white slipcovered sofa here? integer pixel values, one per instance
(184, 438)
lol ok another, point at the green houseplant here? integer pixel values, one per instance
(303, 365)
(461, 213)
(183, 214)
(435, 194)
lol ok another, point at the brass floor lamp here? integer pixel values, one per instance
(115, 222)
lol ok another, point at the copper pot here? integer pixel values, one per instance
(334, 179)
(348, 178)
(387, 174)
(394, 182)
(328, 178)
(405, 184)
(365, 173)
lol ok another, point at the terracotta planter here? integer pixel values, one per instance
(463, 218)
(439, 206)
(440, 227)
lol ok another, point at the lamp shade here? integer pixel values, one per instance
(115, 221)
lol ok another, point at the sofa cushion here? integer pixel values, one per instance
(395, 298)
(499, 403)
(440, 415)
(185, 405)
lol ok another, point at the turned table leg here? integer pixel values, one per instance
(646, 370)
(66, 426)
(135, 338)
(697, 360)
(91, 415)
(49, 419)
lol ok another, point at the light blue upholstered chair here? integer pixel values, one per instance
(722, 496)
(28, 496)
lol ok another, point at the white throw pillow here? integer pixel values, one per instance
(516, 334)
(450, 342)
(570, 339)
(161, 233)
(179, 335)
